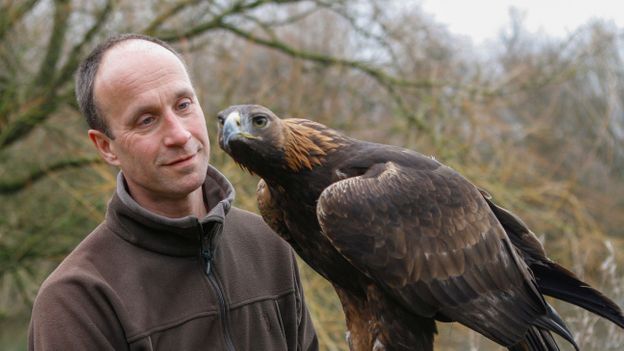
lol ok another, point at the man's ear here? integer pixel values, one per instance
(103, 144)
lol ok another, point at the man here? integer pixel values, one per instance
(173, 266)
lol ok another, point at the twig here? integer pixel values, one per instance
(13, 186)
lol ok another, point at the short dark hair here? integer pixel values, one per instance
(85, 78)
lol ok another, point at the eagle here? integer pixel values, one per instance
(405, 240)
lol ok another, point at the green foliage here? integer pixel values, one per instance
(538, 123)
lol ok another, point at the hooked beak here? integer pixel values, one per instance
(232, 129)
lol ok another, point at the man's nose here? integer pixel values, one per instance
(176, 132)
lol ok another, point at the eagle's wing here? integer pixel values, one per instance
(429, 238)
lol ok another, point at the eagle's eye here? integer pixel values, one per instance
(260, 121)
(221, 120)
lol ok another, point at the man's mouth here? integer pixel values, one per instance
(181, 160)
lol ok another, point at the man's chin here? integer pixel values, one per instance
(183, 181)
(192, 180)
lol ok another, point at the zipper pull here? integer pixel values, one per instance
(207, 255)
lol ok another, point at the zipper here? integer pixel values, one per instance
(207, 253)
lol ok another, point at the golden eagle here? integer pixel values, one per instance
(404, 239)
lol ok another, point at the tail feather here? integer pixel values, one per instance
(553, 322)
(536, 339)
(556, 281)
(552, 279)
(539, 338)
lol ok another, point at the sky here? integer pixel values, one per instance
(484, 19)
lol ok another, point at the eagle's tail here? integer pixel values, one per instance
(536, 339)
(552, 279)
(558, 282)
(539, 337)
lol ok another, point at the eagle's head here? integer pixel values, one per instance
(264, 144)
(251, 135)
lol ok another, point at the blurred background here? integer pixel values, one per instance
(534, 118)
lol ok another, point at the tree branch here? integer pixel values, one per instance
(160, 19)
(14, 186)
(351, 18)
(377, 74)
(38, 110)
(9, 16)
(66, 73)
(286, 21)
(62, 10)
(217, 21)
(43, 102)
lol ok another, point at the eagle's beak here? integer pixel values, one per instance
(233, 128)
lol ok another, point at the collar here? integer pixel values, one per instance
(170, 236)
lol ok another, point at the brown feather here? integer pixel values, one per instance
(307, 143)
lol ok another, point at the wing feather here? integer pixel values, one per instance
(431, 240)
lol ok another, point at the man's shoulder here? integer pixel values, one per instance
(73, 305)
(78, 268)
(250, 230)
(248, 221)
(241, 214)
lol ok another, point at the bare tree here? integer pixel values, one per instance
(538, 122)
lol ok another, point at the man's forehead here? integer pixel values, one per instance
(137, 45)
(134, 59)
(120, 54)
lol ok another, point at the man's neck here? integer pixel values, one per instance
(192, 204)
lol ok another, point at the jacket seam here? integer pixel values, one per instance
(261, 298)
(170, 325)
(181, 321)
(280, 319)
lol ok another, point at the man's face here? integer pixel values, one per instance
(160, 140)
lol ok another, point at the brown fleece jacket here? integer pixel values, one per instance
(141, 281)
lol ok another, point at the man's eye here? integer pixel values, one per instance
(183, 105)
(146, 121)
